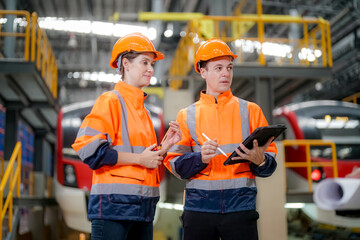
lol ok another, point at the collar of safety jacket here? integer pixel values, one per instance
(210, 99)
(136, 95)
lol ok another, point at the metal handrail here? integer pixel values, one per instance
(37, 47)
(308, 163)
(316, 36)
(11, 179)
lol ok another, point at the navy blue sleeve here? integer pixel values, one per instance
(189, 164)
(265, 170)
(103, 156)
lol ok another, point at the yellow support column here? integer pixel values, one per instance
(260, 32)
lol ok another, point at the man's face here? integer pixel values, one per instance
(218, 74)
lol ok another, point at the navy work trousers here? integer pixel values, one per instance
(121, 230)
(213, 226)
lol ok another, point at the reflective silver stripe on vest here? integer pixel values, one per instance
(196, 148)
(124, 125)
(180, 149)
(190, 121)
(90, 148)
(244, 114)
(127, 189)
(221, 184)
(135, 149)
(228, 148)
(172, 165)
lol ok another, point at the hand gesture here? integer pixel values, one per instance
(208, 150)
(151, 159)
(256, 154)
(172, 136)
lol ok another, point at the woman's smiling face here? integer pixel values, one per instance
(139, 70)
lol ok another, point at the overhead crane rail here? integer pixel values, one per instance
(36, 46)
(247, 37)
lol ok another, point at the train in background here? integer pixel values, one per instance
(335, 121)
(328, 120)
(72, 181)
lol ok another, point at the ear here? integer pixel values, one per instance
(125, 63)
(203, 73)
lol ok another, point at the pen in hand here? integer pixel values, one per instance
(220, 150)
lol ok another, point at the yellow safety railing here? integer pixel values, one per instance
(11, 178)
(314, 46)
(352, 98)
(308, 164)
(37, 47)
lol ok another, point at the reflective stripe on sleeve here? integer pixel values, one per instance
(88, 131)
(172, 164)
(90, 148)
(129, 189)
(221, 184)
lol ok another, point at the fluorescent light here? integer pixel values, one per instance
(168, 33)
(96, 76)
(96, 27)
(102, 28)
(153, 80)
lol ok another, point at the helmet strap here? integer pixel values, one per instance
(118, 65)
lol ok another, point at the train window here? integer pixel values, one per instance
(343, 151)
(344, 130)
(71, 123)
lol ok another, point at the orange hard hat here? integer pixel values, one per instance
(212, 48)
(134, 42)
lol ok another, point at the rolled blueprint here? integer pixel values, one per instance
(338, 194)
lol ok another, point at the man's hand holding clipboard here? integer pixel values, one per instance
(255, 145)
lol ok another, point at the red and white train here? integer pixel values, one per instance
(335, 121)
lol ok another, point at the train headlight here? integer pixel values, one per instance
(69, 176)
(317, 174)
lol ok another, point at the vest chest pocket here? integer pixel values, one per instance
(132, 172)
(205, 172)
(241, 168)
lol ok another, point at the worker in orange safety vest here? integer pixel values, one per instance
(117, 140)
(219, 200)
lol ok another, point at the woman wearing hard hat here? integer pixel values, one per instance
(117, 140)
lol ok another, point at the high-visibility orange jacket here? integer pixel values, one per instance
(214, 187)
(119, 121)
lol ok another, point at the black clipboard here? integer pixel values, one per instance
(261, 134)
